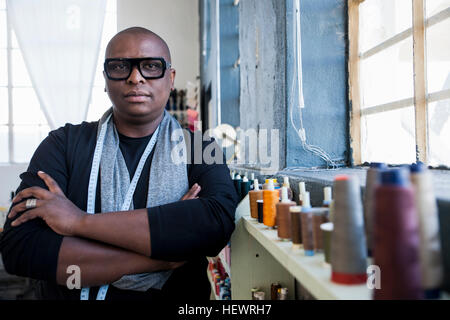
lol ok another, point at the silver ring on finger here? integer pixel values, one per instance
(30, 203)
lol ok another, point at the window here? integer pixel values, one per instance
(399, 70)
(22, 123)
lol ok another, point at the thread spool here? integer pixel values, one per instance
(331, 211)
(396, 235)
(276, 185)
(429, 247)
(237, 185)
(288, 187)
(349, 251)
(306, 225)
(282, 293)
(319, 217)
(254, 290)
(271, 198)
(327, 231)
(255, 195)
(373, 179)
(327, 197)
(301, 191)
(284, 216)
(296, 230)
(274, 290)
(252, 181)
(260, 295)
(260, 206)
(245, 187)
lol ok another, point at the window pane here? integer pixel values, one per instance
(435, 6)
(389, 137)
(388, 75)
(439, 132)
(111, 6)
(3, 68)
(438, 56)
(382, 19)
(99, 80)
(3, 106)
(14, 44)
(109, 29)
(99, 103)
(3, 35)
(20, 73)
(26, 108)
(4, 153)
(26, 140)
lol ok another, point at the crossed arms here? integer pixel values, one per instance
(101, 245)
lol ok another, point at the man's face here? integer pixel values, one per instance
(137, 99)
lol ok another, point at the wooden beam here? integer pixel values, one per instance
(354, 85)
(420, 88)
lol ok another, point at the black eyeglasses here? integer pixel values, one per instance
(121, 68)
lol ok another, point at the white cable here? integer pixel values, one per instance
(298, 80)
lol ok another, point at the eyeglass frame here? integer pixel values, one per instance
(136, 62)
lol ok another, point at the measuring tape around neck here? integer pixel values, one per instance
(92, 188)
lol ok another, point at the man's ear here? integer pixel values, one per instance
(172, 79)
(104, 77)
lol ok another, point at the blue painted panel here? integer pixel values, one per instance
(325, 88)
(229, 53)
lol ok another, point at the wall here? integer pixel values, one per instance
(268, 93)
(262, 46)
(325, 86)
(219, 68)
(9, 175)
(176, 21)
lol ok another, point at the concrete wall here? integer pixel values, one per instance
(177, 22)
(262, 46)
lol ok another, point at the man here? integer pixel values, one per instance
(121, 162)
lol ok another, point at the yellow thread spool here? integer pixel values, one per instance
(271, 198)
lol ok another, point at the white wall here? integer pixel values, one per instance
(177, 22)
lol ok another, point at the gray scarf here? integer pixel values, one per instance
(168, 182)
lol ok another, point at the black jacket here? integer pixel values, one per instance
(183, 230)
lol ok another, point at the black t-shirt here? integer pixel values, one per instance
(180, 231)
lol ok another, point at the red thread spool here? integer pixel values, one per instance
(396, 235)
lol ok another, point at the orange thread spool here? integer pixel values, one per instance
(255, 195)
(271, 198)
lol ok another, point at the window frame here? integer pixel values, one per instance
(421, 97)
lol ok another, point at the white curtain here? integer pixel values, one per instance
(60, 41)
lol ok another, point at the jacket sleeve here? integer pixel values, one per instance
(199, 227)
(31, 249)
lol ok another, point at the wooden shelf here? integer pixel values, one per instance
(312, 272)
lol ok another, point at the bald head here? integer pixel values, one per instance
(140, 34)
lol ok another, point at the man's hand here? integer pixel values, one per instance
(52, 206)
(192, 193)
